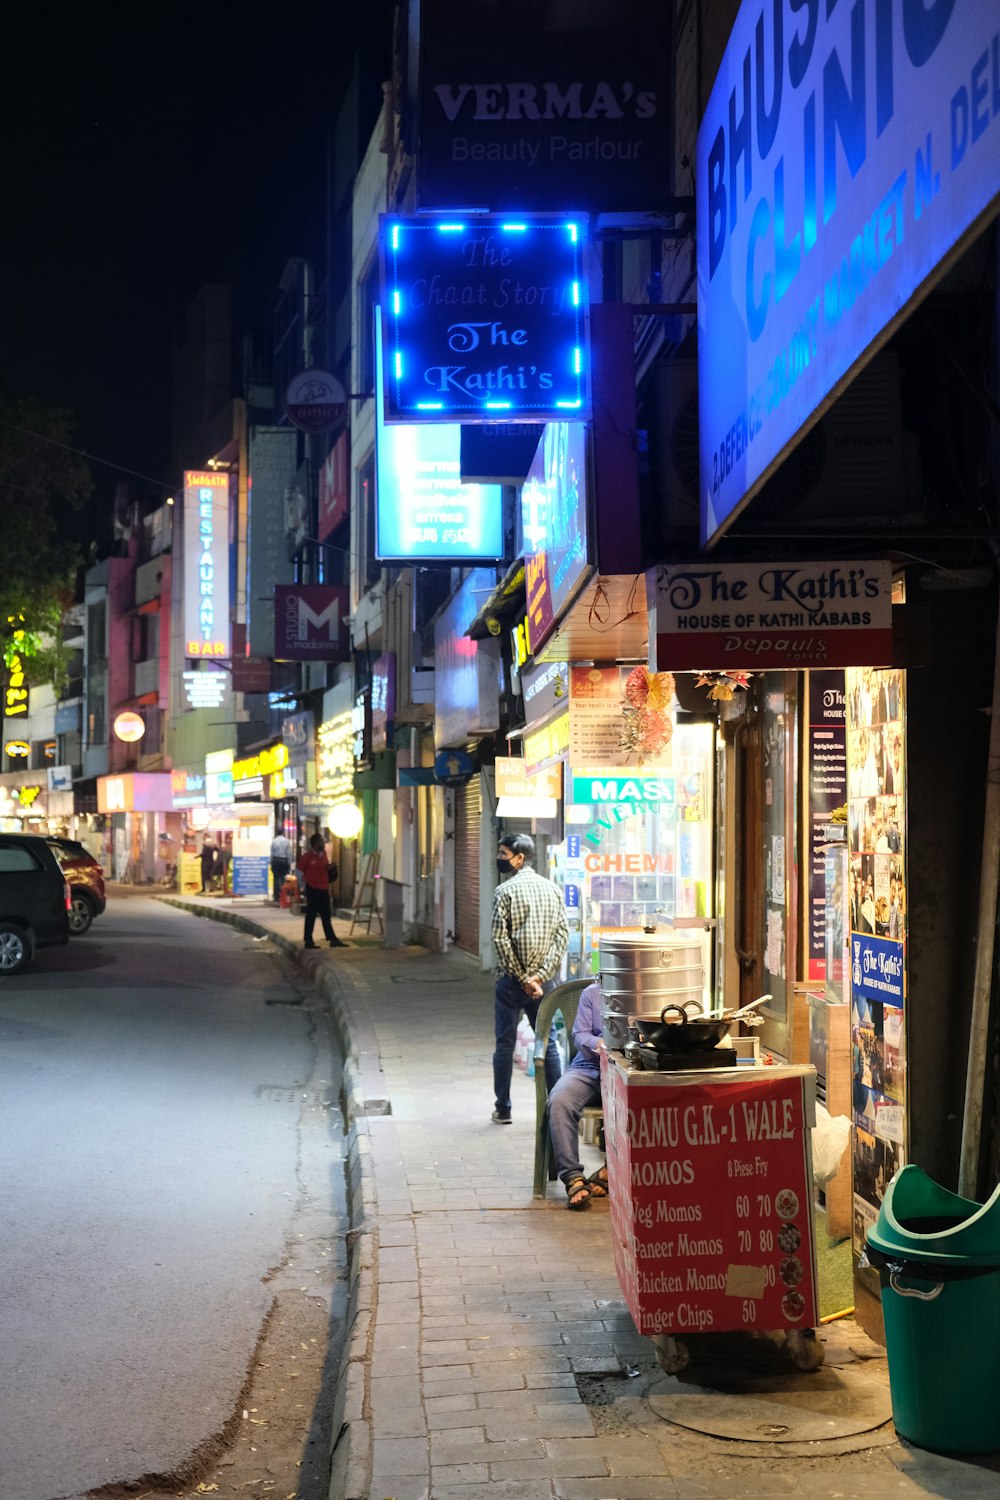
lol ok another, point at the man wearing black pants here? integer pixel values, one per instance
(315, 869)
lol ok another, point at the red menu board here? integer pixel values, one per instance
(711, 1198)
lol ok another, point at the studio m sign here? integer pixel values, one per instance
(485, 318)
(310, 623)
(763, 615)
(848, 152)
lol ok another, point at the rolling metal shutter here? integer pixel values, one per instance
(468, 820)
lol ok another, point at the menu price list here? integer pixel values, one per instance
(711, 1202)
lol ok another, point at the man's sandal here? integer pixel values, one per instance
(577, 1192)
(598, 1183)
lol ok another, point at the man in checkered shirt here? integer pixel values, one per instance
(530, 937)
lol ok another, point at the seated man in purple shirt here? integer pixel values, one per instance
(577, 1089)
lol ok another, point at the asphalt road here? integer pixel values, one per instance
(155, 1079)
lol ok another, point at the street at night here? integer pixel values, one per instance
(171, 1180)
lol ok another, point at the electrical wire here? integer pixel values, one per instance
(601, 626)
(82, 453)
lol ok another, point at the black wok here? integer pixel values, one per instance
(673, 1031)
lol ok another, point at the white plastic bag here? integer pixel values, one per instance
(830, 1136)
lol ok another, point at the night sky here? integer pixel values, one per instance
(142, 160)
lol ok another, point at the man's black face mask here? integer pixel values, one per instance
(503, 864)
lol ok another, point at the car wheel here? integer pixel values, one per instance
(81, 914)
(15, 949)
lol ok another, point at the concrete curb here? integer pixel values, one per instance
(351, 1439)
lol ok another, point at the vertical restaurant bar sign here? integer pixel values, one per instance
(485, 318)
(206, 564)
(845, 151)
(310, 623)
(755, 616)
(515, 114)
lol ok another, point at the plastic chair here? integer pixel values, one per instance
(564, 998)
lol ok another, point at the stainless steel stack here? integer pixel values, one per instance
(643, 972)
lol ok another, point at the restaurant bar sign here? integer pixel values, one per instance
(523, 115)
(206, 564)
(759, 615)
(845, 152)
(485, 318)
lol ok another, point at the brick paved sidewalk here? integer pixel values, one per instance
(490, 1355)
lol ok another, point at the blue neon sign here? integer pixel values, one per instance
(485, 318)
(422, 508)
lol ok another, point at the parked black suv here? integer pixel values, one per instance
(34, 900)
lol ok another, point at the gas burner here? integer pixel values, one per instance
(684, 1062)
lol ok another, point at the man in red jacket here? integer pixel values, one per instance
(316, 872)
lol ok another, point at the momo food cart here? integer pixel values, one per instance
(710, 1175)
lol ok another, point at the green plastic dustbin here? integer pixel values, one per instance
(938, 1259)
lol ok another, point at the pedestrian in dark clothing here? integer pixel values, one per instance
(210, 862)
(530, 935)
(281, 862)
(316, 872)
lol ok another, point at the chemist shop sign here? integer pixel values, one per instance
(845, 152)
(753, 617)
(485, 318)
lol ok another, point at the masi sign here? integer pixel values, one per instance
(845, 152)
(517, 116)
(750, 618)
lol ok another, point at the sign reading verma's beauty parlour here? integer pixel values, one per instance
(484, 318)
(844, 153)
(760, 615)
(514, 114)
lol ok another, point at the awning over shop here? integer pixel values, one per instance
(608, 621)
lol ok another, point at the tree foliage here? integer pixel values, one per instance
(41, 483)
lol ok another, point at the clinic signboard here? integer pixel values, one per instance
(756, 616)
(206, 564)
(423, 511)
(485, 318)
(521, 115)
(847, 151)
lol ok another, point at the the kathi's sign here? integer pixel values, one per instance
(754, 616)
(485, 318)
(845, 151)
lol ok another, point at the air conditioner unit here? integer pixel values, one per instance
(855, 465)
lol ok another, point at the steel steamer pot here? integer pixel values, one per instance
(643, 972)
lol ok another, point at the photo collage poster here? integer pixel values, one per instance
(876, 836)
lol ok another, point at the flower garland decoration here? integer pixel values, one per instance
(647, 726)
(722, 685)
